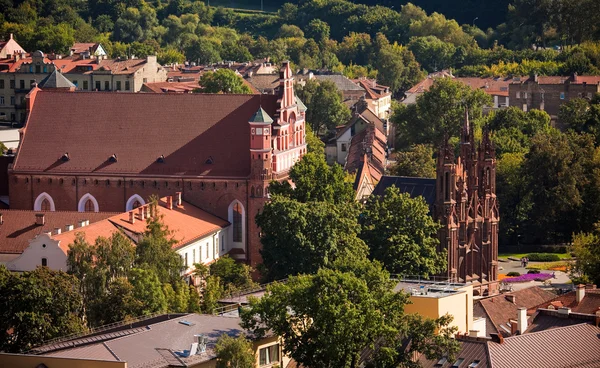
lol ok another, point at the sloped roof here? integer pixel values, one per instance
(589, 304)
(374, 141)
(373, 89)
(116, 66)
(170, 87)
(341, 82)
(187, 222)
(55, 80)
(155, 346)
(301, 105)
(263, 82)
(470, 351)
(187, 129)
(500, 310)
(415, 187)
(563, 347)
(79, 47)
(19, 226)
(261, 116)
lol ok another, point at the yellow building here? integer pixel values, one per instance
(435, 299)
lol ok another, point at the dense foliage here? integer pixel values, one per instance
(392, 43)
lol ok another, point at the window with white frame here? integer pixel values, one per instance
(562, 95)
(518, 94)
(269, 355)
(193, 256)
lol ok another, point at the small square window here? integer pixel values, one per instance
(562, 95)
(259, 131)
(344, 147)
(85, 85)
(474, 364)
(458, 362)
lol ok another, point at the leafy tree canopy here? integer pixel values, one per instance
(223, 81)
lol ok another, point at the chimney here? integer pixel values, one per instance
(511, 298)
(40, 219)
(522, 320)
(142, 213)
(564, 311)
(132, 217)
(170, 202)
(580, 293)
(11, 36)
(56, 231)
(178, 199)
(514, 327)
(80, 223)
(473, 333)
(497, 338)
(69, 227)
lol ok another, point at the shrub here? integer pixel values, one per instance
(529, 277)
(543, 257)
(513, 273)
(533, 272)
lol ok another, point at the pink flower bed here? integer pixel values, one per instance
(529, 277)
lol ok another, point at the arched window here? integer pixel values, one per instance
(237, 218)
(237, 222)
(134, 201)
(88, 203)
(44, 202)
(89, 206)
(45, 205)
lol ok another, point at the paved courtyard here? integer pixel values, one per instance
(561, 280)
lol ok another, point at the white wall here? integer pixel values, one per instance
(42, 246)
(215, 243)
(345, 138)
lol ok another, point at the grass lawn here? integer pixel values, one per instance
(521, 255)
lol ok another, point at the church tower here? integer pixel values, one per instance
(467, 208)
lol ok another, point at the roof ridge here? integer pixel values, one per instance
(552, 330)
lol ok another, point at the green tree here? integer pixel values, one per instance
(314, 180)
(234, 276)
(223, 81)
(155, 250)
(313, 143)
(147, 289)
(202, 51)
(432, 53)
(325, 109)
(234, 352)
(438, 112)
(318, 30)
(55, 38)
(416, 161)
(586, 247)
(401, 234)
(313, 235)
(37, 306)
(328, 319)
(170, 56)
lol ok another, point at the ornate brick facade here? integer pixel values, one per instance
(220, 151)
(467, 208)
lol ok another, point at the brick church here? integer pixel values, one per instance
(467, 208)
(110, 151)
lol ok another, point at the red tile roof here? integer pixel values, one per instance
(187, 222)
(374, 141)
(187, 129)
(589, 305)
(19, 226)
(500, 310)
(491, 86)
(170, 87)
(373, 89)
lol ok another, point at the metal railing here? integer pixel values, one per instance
(96, 330)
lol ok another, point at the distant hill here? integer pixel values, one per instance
(490, 13)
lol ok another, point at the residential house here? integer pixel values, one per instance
(19, 227)
(554, 338)
(549, 93)
(351, 92)
(9, 48)
(500, 309)
(378, 97)
(175, 340)
(496, 87)
(199, 236)
(87, 70)
(338, 147)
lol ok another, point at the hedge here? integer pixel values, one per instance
(543, 257)
(513, 273)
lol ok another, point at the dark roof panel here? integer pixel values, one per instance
(415, 187)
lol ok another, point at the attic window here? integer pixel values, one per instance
(441, 362)
(113, 158)
(161, 159)
(209, 161)
(65, 157)
(187, 323)
(474, 364)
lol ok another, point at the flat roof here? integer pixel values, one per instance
(429, 289)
